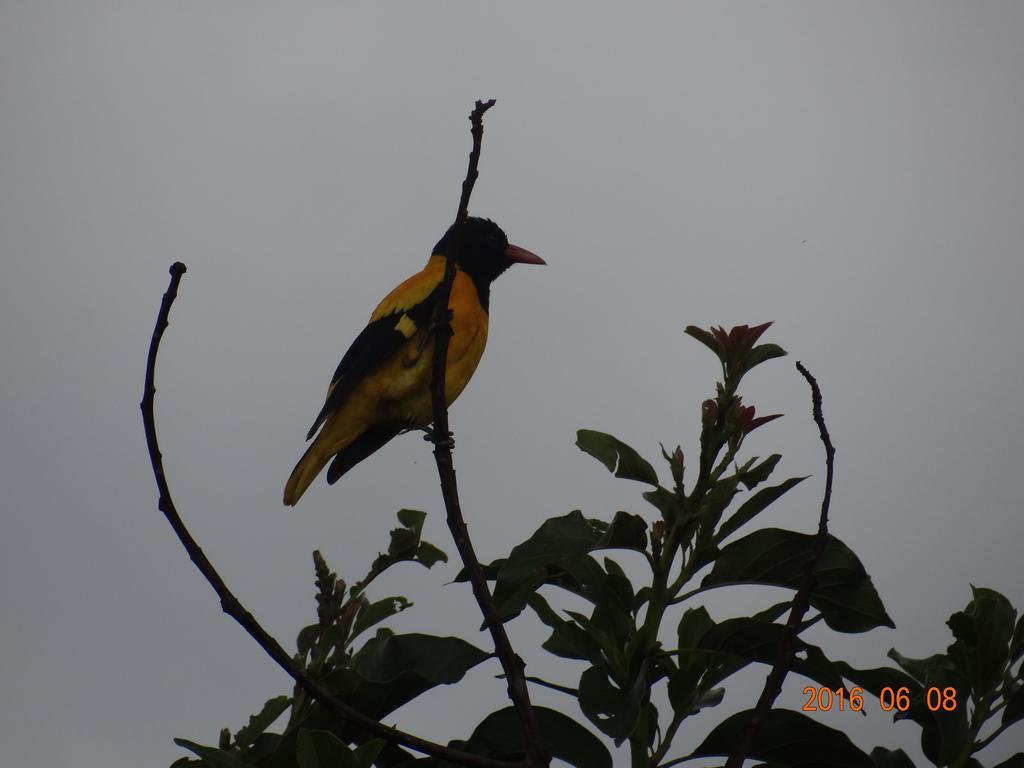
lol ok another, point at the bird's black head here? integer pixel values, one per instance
(482, 251)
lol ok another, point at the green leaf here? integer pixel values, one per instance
(322, 749)
(616, 456)
(774, 612)
(787, 738)
(262, 749)
(490, 571)
(763, 352)
(435, 659)
(307, 639)
(983, 631)
(376, 612)
(694, 623)
(753, 477)
(667, 503)
(754, 506)
(1014, 710)
(615, 570)
(567, 639)
(213, 757)
(687, 693)
(391, 670)
(716, 501)
(259, 722)
(1017, 643)
(405, 546)
(919, 669)
(555, 540)
(609, 648)
(412, 519)
(702, 555)
(683, 683)
(890, 758)
(556, 545)
(682, 689)
(627, 531)
(510, 597)
(614, 711)
(602, 702)
(500, 736)
(584, 576)
(316, 720)
(366, 753)
(750, 640)
(404, 540)
(875, 679)
(612, 596)
(429, 555)
(711, 698)
(943, 733)
(843, 593)
(704, 338)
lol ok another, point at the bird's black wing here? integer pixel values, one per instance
(377, 342)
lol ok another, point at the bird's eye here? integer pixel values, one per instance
(492, 241)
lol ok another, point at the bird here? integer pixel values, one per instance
(381, 387)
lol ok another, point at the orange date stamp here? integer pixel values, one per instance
(889, 699)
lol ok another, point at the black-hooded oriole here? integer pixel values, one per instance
(382, 385)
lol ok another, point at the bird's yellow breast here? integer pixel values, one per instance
(399, 390)
(403, 388)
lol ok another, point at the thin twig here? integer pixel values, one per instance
(511, 664)
(476, 119)
(801, 601)
(231, 605)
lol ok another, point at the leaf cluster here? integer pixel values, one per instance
(642, 640)
(380, 675)
(962, 699)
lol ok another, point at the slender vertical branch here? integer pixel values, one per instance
(830, 456)
(511, 664)
(231, 605)
(476, 130)
(801, 601)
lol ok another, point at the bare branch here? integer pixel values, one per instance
(536, 754)
(801, 601)
(231, 605)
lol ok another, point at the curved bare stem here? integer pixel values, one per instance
(231, 605)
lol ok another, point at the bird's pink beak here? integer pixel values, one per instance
(517, 255)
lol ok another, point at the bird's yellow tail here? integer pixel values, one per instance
(343, 453)
(310, 465)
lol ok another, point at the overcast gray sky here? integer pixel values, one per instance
(852, 171)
